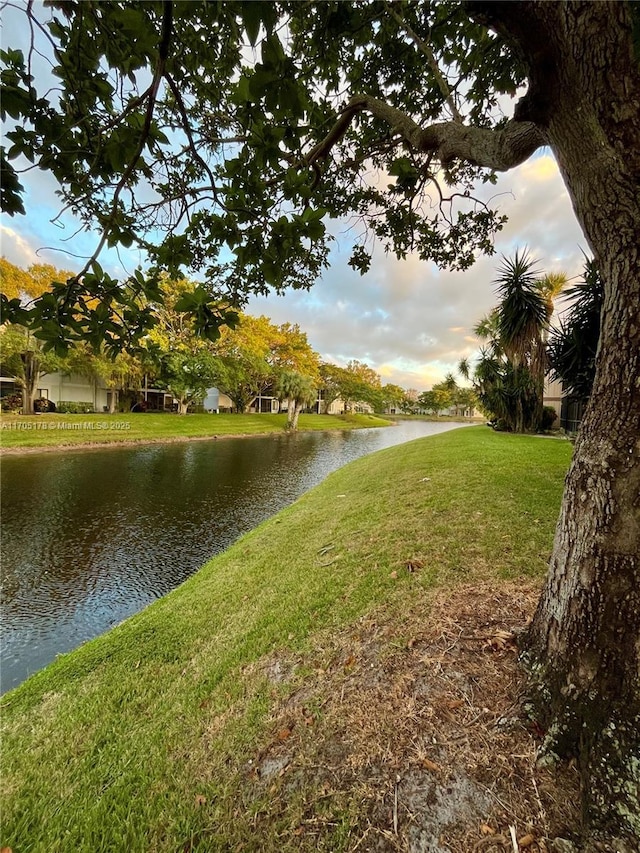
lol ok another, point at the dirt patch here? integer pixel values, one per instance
(407, 734)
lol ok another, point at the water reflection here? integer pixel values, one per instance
(89, 538)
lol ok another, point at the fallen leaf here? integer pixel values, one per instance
(200, 800)
(485, 829)
(526, 840)
(283, 734)
(411, 643)
(393, 575)
(430, 765)
(501, 641)
(414, 565)
(452, 704)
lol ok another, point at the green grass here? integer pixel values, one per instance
(73, 430)
(142, 739)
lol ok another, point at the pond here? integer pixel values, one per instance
(91, 537)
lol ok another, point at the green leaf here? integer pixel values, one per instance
(252, 18)
(273, 54)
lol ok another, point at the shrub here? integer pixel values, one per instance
(549, 416)
(42, 405)
(71, 407)
(12, 403)
(501, 425)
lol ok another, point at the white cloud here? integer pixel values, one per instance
(15, 248)
(412, 322)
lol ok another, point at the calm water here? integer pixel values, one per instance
(89, 538)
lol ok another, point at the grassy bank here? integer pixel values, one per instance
(164, 734)
(42, 431)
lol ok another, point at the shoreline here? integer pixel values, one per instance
(134, 442)
(176, 439)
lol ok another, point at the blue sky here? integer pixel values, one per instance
(409, 321)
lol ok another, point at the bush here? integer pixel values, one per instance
(42, 405)
(70, 407)
(549, 416)
(12, 403)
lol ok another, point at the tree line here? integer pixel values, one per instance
(250, 357)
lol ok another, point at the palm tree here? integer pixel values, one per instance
(298, 390)
(509, 377)
(573, 344)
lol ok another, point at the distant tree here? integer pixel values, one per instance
(409, 403)
(24, 354)
(393, 397)
(465, 400)
(25, 284)
(573, 344)
(289, 349)
(436, 400)
(117, 373)
(183, 361)
(461, 398)
(22, 357)
(188, 375)
(298, 390)
(331, 379)
(360, 384)
(14, 282)
(251, 355)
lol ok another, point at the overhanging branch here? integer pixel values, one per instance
(499, 149)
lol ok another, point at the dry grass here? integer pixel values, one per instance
(412, 725)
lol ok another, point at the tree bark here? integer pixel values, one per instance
(584, 642)
(30, 364)
(297, 408)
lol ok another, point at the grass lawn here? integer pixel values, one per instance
(156, 736)
(36, 431)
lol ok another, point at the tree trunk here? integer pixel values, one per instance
(30, 364)
(297, 408)
(584, 642)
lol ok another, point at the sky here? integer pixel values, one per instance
(408, 320)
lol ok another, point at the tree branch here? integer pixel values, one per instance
(500, 148)
(163, 53)
(425, 49)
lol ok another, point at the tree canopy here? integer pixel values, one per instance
(225, 156)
